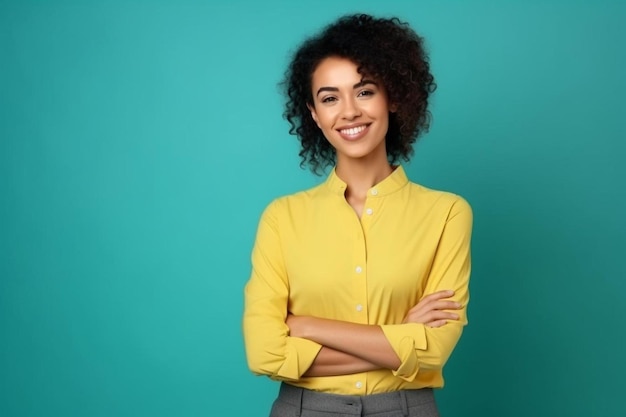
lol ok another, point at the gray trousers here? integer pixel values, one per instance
(298, 402)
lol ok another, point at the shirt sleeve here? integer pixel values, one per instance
(269, 348)
(422, 347)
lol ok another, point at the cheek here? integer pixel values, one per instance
(324, 119)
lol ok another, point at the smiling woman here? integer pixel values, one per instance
(352, 112)
(359, 286)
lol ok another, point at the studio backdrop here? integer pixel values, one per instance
(141, 140)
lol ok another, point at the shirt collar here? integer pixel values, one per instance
(396, 180)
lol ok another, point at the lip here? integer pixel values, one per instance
(356, 136)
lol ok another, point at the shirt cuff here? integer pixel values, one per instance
(299, 355)
(405, 339)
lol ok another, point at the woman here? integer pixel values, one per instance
(359, 286)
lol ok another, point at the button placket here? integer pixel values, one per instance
(359, 300)
(371, 203)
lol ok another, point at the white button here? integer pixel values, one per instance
(369, 211)
(359, 384)
(374, 191)
(359, 307)
(358, 269)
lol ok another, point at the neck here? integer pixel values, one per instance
(360, 175)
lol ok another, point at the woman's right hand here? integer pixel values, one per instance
(431, 310)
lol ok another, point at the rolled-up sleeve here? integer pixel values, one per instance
(269, 348)
(422, 347)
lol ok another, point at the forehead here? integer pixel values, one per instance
(336, 71)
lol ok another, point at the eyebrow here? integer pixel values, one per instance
(355, 86)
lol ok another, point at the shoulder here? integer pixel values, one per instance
(447, 202)
(295, 203)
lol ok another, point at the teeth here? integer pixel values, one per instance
(352, 131)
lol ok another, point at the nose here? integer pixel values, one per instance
(350, 109)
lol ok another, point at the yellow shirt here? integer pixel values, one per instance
(313, 256)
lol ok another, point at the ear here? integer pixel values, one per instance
(313, 114)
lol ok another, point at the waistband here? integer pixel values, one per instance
(355, 404)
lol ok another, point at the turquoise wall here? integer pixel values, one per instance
(140, 140)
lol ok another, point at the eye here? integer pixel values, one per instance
(329, 99)
(365, 93)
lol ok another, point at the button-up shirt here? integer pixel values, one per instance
(314, 256)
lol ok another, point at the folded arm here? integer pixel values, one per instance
(331, 362)
(430, 330)
(365, 347)
(288, 348)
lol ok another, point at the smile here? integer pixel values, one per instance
(353, 133)
(353, 130)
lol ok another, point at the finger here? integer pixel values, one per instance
(422, 309)
(440, 315)
(446, 305)
(436, 323)
(434, 297)
(431, 316)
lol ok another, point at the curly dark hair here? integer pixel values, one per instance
(386, 49)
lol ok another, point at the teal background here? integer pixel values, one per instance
(140, 140)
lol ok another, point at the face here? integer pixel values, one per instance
(351, 110)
